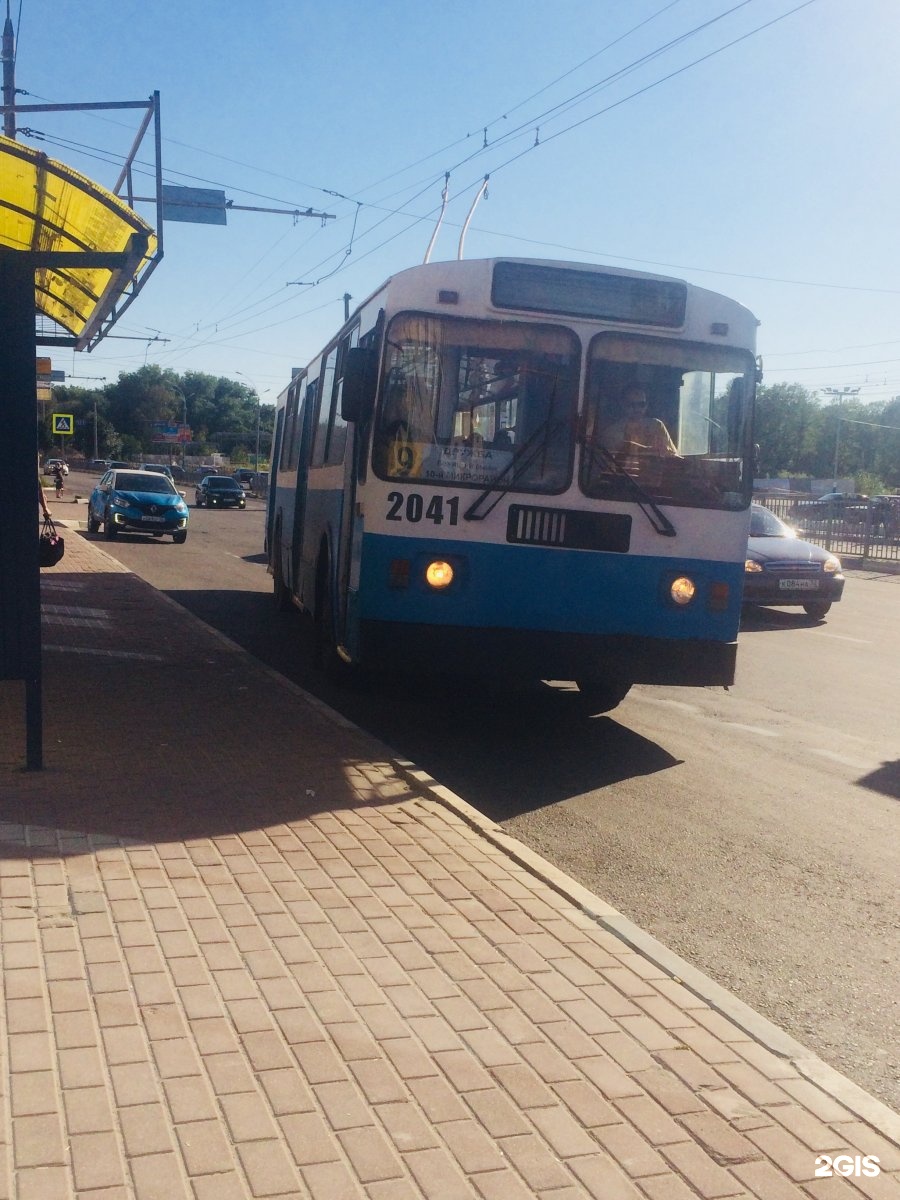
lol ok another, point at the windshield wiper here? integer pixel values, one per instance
(521, 460)
(645, 502)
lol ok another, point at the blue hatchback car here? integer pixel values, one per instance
(137, 502)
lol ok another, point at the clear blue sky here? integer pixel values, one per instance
(768, 171)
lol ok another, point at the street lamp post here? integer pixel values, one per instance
(841, 393)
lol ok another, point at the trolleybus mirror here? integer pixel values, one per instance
(358, 391)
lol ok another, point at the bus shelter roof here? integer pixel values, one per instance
(51, 211)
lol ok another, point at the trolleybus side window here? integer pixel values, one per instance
(465, 402)
(325, 393)
(337, 436)
(290, 446)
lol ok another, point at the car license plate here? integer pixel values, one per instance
(799, 585)
(155, 520)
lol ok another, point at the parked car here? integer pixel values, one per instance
(219, 491)
(52, 463)
(159, 468)
(245, 477)
(832, 504)
(100, 464)
(784, 570)
(139, 502)
(120, 465)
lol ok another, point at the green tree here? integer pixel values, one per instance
(785, 415)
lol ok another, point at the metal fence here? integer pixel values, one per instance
(866, 530)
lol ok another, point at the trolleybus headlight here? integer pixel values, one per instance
(439, 574)
(682, 590)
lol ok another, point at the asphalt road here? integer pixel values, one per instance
(753, 831)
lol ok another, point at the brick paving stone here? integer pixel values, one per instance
(38, 1141)
(205, 1146)
(603, 1180)
(540, 1169)
(44, 1183)
(718, 1138)
(158, 1177)
(703, 1173)
(229, 1073)
(145, 1129)
(96, 1161)
(761, 1179)
(370, 1155)
(631, 1150)
(308, 1137)
(87, 1110)
(408, 1127)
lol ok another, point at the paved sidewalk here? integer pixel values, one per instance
(246, 952)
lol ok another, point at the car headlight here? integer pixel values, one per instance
(831, 565)
(181, 507)
(121, 502)
(751, 566)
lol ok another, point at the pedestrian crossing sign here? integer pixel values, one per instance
(63, 423)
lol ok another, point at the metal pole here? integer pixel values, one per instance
(9, 76)
(20, 611)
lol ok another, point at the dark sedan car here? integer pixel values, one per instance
(782, 569)
(219, 491)
(832, 504)
(139, 502)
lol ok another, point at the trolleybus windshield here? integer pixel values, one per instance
(461, 399)
(674, 415)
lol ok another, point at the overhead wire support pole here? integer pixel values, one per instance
(9, 77)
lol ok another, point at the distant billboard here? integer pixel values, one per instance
(171, 433)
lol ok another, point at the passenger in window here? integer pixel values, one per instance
(634, 432)
(468, 434)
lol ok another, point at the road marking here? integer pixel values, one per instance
(61, 585)
(71, 610)
(840, 637)
(843, 759)
(679, 704)
(758, 729)
(132, 654)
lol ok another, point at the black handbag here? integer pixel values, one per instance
(53, 547)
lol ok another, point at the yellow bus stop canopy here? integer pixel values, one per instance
(47, 207)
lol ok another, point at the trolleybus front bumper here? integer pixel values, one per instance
(537, 654)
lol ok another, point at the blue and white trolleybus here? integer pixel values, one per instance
(521, 468)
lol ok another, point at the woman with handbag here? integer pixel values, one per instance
(52, 546)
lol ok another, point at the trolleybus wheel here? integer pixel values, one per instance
(602, 695)
(327, 658)
(280, 590)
